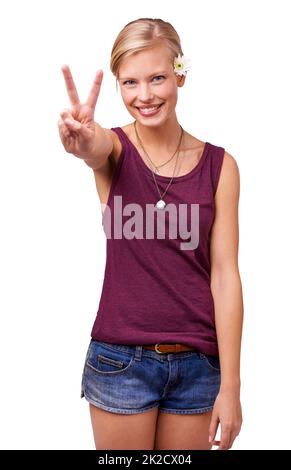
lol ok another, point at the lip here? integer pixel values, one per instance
(153, 113)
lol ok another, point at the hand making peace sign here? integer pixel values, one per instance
(76, 126)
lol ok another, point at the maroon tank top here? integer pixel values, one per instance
(156, 286)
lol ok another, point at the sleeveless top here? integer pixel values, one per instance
(156, 286)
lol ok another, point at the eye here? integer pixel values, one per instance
(159, 76)
(130, 82)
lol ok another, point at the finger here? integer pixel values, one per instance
(63, 129)
(66, 113)
(76, 126)
(232, 438)
(215, 443)
(213, 427)
(72, 124)
(224, 440)
(70, 85)
(61, 124)
(95, 90)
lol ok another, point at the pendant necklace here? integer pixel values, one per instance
(161, 204)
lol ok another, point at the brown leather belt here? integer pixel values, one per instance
(163, 348)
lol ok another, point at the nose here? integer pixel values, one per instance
(145, 92)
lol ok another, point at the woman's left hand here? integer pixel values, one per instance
(226, 411)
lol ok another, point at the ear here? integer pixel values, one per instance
(181, 80)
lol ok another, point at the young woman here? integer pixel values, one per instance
(162, 369)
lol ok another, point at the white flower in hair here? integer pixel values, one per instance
(181, 65)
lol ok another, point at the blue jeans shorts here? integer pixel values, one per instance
(129, 379)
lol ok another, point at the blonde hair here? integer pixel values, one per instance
(141, 34)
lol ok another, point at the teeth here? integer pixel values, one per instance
(148, 110)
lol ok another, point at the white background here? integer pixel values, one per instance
(237, 95)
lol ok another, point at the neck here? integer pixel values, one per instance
(164, 136)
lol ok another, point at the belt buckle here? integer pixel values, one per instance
(157, 348)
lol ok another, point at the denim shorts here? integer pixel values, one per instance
(129, 379)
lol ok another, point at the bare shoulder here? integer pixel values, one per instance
(225, 230)
(229, 180)
(104, 174)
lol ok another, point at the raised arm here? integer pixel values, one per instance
(79, 134)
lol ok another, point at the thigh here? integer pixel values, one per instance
(182, 431)
(122, 389)
(123, 431)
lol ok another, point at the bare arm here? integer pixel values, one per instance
(103, 147)
(225, 278)
(228, 300)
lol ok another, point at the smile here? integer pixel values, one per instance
(150, 111)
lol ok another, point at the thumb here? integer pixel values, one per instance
(76, 126)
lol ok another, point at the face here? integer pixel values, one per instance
(149, 86)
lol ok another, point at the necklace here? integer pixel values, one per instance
(155, 166)
(159, 166)
(161, 203)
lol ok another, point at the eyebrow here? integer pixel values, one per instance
(152, 75)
